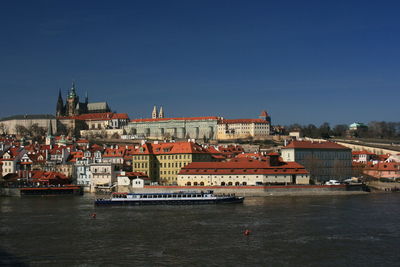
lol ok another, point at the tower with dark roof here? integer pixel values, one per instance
(60, 105)
(72, 102)
(73, 106)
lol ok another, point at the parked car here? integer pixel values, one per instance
(332, 182)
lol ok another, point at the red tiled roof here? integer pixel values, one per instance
(170, 148)
(383, 157)
(114, 152)
(383, 166)
(243, 121)
(362, 152)
(251, 155)
(98, 116)
(42, 175)
(242, 166)
(178, 119)
(134, 174)
(315, 145)
(120, 116)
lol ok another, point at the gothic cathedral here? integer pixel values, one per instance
(73, 107)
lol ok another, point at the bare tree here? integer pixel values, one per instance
(3, 128)
(115, 136)
(314, 166)
(21, 130)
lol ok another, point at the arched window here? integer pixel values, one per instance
(237, 183)
(230, 183)
(222, 183)
(244, 183)
(189, 183)
(195, 183)
(201, 183)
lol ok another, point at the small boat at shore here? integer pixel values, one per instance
(176, 198)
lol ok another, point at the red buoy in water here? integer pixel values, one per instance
(247, 232)
(94, 215)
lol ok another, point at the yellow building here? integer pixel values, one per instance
(163, 161)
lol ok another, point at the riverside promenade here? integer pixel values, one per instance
(261, 191)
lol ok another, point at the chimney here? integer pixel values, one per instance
(274, 159)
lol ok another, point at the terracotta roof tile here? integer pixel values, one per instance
(179, 119)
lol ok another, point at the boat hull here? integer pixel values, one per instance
(122, 202)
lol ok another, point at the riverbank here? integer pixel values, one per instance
(257, 191)
(246, 191)
(381, 186)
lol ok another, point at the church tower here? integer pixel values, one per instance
(154, 114)
(161, 114)
(49, 137)
(60, 105)
(72, 102)
(264, 115)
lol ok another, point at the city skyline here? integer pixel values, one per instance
(302, 62)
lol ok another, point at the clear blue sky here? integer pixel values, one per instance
(302, 61)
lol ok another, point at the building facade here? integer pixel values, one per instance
(324, 160)
(242, 172)
(181, 128)
(163, 161)
(244, 128)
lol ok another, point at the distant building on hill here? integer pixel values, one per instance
(210, 128)
(73, 106)
(244, 128)
(356, 126)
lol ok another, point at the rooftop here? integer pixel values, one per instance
(178, 119)
(315, 145)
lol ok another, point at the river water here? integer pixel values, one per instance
(358, 230)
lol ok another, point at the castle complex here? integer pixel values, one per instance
(210, 128)
(74, 107)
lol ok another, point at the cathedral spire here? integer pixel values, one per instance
(161, 114)
(154, 114)
(49, 128)
(72, 92)
(60, 105)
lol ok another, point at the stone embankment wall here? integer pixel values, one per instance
(376, 185)
(252, 190)
(10, 192)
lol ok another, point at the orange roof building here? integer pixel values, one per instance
(243, 172)
(244, 128)
(181, 128)
(208, 127)
(162, 161)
